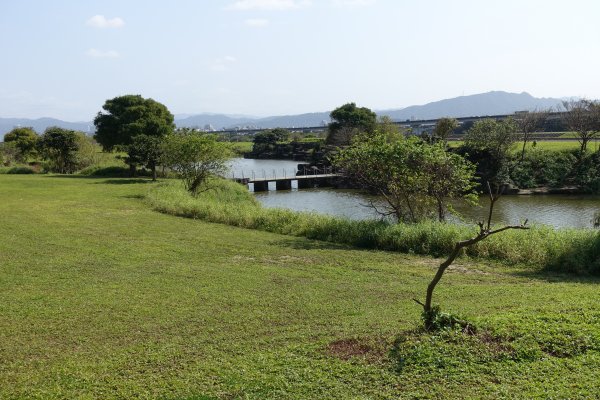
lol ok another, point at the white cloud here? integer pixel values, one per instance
(352, 3)
(95, 53)
(100, 21)
(223, 64)
(244, 5)
(256, 22)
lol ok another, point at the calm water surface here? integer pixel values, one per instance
(555, 210)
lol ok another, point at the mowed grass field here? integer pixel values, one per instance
(551, 145)
(100, 297)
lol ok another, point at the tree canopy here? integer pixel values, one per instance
(195, 157)
(126, 117)
(145, 150)
(271, 136)
(414, 178)
(488, 143)
(348, 120)
(444, 127)
(24, 139)
(59, 147)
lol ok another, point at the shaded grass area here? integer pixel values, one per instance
(101, 297)
(565, 250)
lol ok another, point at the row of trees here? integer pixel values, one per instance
(144, 129)
(141, 128)
(488, 143)
(62, 149)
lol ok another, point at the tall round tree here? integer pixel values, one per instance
(25, 140)
(348, 120)
(126, 117)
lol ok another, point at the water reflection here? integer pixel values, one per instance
(555, 210)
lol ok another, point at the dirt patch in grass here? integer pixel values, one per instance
(370, 349)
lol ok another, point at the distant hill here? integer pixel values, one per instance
(218, 121)
(40, 124)
(491, 103)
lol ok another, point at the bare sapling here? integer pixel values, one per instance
(485, 231)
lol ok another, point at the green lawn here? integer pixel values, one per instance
(554, 145)
(100, 297)
(240, 148)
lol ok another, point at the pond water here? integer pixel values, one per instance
(554, 210)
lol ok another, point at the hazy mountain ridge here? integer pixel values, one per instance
(490, 103)
(40, 124)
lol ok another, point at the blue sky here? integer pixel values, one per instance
(63, 59)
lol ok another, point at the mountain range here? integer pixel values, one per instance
(490, 103)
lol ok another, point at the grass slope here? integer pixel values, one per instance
(100, 297)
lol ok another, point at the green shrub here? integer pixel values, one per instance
(543, 168)
(20, 170)
(112, 171)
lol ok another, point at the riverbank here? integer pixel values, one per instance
(566, 250)
(102, 297)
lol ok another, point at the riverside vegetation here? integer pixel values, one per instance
(564, 250)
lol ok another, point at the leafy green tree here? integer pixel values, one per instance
(126, 117)
(59, 147)
(385, 126)
(348, 120)
(414, 178)
(488, 143)
(9, 153)
(266, 140)
(444, 127)
(89, 152)
(272, 136)
(195, 157)
(145, 150)
(25, 140)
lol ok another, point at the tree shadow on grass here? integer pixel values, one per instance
(126, 181)
(301, 243)
(134, 196)
(549, 273)
(72, 176)
(550, 276)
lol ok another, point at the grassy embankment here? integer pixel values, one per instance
(565, 250)
(100, 297)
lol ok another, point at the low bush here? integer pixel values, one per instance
(17, 170)
(543, 168)
(565, 250)
(110, 171)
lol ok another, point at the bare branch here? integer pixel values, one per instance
(484, 232)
